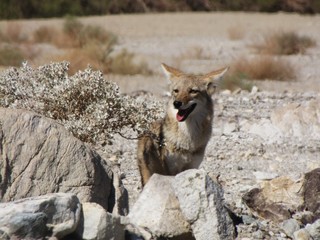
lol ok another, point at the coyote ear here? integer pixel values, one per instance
(212, 79)
(171, 72)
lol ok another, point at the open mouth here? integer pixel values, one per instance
(182, 114)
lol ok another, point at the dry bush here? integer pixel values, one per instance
(92, 55)
(80, 35)
(45, 34)
(123, 63)
(258, 68)
(72, 28)
(234, 81)
(11, 55)
(285, 43)
(264, 67)
(13, 33)
(83, 45)
(88, 105)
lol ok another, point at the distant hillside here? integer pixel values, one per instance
(15, 9)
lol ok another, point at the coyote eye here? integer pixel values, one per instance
(193, 91)
(175, 90)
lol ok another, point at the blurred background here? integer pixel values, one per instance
(270, 40)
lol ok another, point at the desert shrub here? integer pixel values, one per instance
(96, 34)
(88, 105)
(72, 27)
(123, 63)
(81, 35)
(264, 67)
(258, 68)
(45, 34)
(13, 33)
(234, 81)
(285, 43)
(10, 55)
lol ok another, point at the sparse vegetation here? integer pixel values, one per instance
(285, 43)
(234, 81)
(123, 63)
(264, 67)
(88, 105)
(257, 68)
(10, 55)
(45, 34)
(81, 45)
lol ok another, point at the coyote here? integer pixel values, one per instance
(178, 142)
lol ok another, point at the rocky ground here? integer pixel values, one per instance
(257, 135)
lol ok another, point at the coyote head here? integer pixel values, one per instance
(191, 93)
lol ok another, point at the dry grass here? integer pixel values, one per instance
(10, 55)
(264, 67)
(285, 43)
(259, 68)
(45, 34)
(82, 45)
(82, 58)
(13, 33)
(236, 33)
(234, 81)
(124, 63)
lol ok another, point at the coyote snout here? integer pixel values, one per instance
(178, 142)
(184, 110)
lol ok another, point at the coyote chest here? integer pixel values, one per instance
(178, 142)
(185, 143)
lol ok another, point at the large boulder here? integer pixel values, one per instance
(279, 198)
(187, 206)
(202, 203)
(39, 156)
(157, 210)
(276, 199)
(97, 224)
(52, 215)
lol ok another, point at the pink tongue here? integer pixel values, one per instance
(179, 118)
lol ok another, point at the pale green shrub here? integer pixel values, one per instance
(91, 107)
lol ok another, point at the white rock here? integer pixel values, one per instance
(202, 203)
(301, 234)
(314, 229)
(157, 209)
(290, 226)
(264, 175)
(98, 224)
(55, 215)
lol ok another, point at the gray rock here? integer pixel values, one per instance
(298, 120)
(264, 175)
(265, 129)
(97, 224)
(39, 156)
(202, 203)
(290, 226)
(55, 215)
(314, 229)
(301, 234)
(157, 210)
(311, 191)
(276, 200)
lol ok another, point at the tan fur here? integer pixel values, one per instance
(171, 146)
